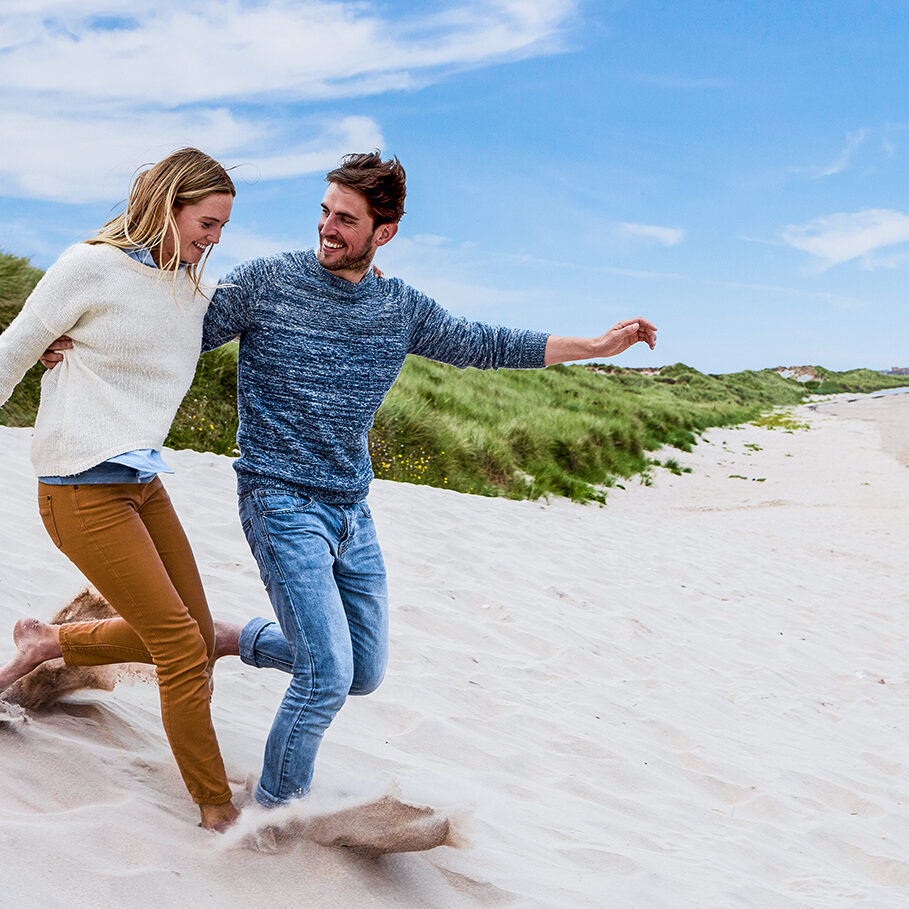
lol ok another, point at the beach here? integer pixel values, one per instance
(695, 695)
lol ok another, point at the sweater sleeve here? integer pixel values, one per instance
(438, 335)
(52, 309)
(231, 304)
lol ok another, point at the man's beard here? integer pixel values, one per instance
(352, 261)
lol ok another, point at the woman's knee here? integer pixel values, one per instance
(209, 639)
(187, 654)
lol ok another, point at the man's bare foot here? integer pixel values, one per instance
(35, 643)
(227, 639)
(218, 817)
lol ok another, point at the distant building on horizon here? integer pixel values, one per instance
(899, 371)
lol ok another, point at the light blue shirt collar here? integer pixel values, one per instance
(141, 255)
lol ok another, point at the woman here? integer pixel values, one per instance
(131, 301)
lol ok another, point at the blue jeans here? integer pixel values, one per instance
(325, 576)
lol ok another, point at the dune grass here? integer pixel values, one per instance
(17, 280)
(567, 430)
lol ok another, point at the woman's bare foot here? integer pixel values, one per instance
(227, 639)
(35, 643)
(218, 817)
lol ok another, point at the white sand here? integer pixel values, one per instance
(694, 697)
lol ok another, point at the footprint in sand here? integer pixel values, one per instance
(376, 828)
(50, 681)
(380, 827)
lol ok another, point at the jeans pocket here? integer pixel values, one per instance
(252, 538)
(271, 502)
(46, 510)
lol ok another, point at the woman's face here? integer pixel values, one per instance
(199, 226)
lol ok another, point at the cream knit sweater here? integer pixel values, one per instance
(136, 340)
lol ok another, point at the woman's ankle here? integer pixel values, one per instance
(218, 817)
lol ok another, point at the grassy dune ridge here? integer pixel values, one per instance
(566, 430)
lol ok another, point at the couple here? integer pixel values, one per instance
(322, 339)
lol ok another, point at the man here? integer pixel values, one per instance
(322, 339)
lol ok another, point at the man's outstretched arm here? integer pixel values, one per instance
(618, 339)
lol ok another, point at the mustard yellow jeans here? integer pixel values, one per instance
(127, 540)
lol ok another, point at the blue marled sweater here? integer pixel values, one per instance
(317, 356)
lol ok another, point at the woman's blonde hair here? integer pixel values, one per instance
(183, 178)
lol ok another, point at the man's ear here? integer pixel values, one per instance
(384, 233)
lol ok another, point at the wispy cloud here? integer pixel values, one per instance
(845, 236)
(843, 159)
(85, 84)
(73, 159)
(870, 149)
(668, 236)
(438, 266)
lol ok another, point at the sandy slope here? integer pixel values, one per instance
(695, 696)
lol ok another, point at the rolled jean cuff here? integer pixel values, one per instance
(248, 638)
(266, 799)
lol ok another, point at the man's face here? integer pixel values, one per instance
(347, 238)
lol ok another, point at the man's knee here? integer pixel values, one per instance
(326, 685)
(367, 678)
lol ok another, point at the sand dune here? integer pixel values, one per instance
(694, 696)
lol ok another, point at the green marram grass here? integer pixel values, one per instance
(567, 430)
(17, 281)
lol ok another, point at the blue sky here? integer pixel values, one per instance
(734, 171)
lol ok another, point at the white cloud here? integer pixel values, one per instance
(891, 260)
(668, 236)
(90, 89)
(845, 236)
(173, 54)
(72, 159)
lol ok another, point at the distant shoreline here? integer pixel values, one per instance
(887, 410)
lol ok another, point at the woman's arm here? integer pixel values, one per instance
(20, 347)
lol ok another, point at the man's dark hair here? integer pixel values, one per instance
(381, 182)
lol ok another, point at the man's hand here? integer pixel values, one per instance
(52, 356)
(619, 338)
(623, 334)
